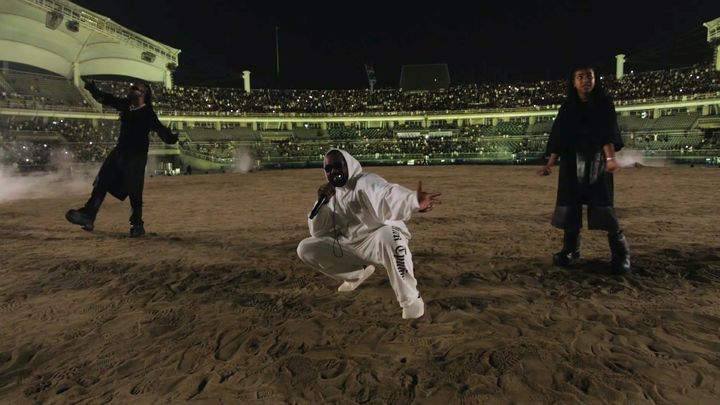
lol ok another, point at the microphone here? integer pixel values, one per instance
(317, 206)
(323, 199)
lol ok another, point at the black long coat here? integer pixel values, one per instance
(579, 132)
(123, 171)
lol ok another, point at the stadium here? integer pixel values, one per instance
(213, 304)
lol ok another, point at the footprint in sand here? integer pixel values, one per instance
(19, 359)
(229, 370)
(501, 275)
(302, 370)
(4, 358)
(200, 388)
(279, 349)
(405, 393)
(102, 366)
(332, 369)
(39, 386)
(229, 342)
(361, 386)
(10, 307)
(142, 387)
(503, 359)
(471, 279)
(67, 373)
(191, 358)
(76, 333)
(461, 303)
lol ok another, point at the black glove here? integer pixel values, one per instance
(168, 137)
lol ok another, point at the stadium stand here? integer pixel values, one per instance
(274, 143)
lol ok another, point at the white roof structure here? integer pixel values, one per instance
(69, 40)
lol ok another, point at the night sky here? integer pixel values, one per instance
(325, 45)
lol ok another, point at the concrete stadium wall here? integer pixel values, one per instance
(24, 38)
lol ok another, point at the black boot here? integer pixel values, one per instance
(85, 216)
(81, 217)
(570, 252)
(620, 262)
(136, 223)
(137, 230)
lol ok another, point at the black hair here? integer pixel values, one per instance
(598, 92)
(148, 94)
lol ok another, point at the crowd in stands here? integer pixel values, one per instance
(218, 151)
(32, 90)
(25, 141)
(80, 141)
(90, 141)
(675, 83)
(38, 91)
(465, 144)
(17, 152)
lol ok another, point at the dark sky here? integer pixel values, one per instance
(325, 45)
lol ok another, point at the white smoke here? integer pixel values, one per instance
(70, 178)
(243, 160)
(634, 158)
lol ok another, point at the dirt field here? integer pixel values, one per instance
(213, 305)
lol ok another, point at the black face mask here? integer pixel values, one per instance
(338, 180)
(336, 173)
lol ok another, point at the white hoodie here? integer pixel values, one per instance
(366, 203)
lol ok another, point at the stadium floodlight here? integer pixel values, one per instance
(72, 26)
(53, 19)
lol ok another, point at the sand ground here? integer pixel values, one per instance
(213, 305)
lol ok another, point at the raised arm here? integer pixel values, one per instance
(106, 98)
(393, 202)
(167, 135)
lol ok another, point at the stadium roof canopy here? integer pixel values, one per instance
(64, 38)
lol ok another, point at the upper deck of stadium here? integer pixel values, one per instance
(69, 42)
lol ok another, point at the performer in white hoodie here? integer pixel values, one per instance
(360, 224)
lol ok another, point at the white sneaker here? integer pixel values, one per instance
(348, 286)
(414, 310)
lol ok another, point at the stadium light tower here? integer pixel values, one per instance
(619, 66)
(713, 37)
(370, 71)
(246, 80)
(277, 50)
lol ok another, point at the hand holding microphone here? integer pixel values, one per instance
(325, 193)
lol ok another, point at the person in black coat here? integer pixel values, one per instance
(123, 172)
(585, 136)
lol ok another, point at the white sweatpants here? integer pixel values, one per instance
(387, 247)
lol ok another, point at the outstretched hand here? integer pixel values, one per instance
(173, 138)
(427, 200)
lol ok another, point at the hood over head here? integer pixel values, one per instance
(354, 169)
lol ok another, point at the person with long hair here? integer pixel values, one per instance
(585, 137)
(123, 172)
